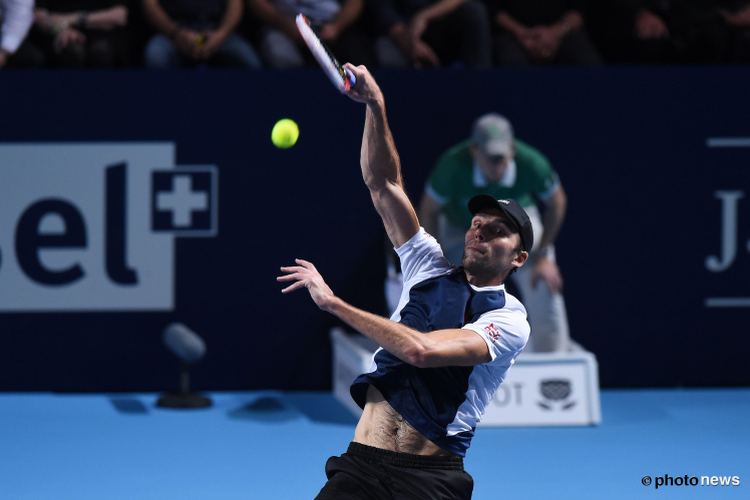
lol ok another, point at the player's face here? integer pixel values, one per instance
(491, 248)
(492, 166)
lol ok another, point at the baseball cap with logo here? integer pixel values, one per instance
(518, 217)
(493, 134)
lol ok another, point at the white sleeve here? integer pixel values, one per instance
(505, 331)
(421, 257)
(17, 18)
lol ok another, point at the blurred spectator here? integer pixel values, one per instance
(541, 32)
(82, 33)
(434, 33)
(16, 17)
(337, 24)
(195, 32)
(660, 31)
(494, 162)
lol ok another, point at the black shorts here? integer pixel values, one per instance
(364, 472)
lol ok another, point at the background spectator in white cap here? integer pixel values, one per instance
(496, 163)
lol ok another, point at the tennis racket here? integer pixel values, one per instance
(342, 78)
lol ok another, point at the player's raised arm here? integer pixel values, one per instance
(381, 167)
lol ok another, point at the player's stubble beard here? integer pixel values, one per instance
(484, 267)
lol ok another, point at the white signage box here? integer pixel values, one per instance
(542, 389)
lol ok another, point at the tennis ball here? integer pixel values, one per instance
(285, 133)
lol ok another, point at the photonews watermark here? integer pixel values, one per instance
(667, 480)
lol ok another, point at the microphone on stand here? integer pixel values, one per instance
(190, 348)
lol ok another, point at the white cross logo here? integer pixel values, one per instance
(182, 201)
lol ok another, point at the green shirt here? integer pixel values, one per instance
(452, 181)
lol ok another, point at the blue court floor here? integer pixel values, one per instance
(273, 446)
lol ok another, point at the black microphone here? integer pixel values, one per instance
(184, 342)
(190, 348)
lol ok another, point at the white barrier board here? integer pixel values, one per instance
(548, 389)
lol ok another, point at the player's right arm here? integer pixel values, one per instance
(381, 166)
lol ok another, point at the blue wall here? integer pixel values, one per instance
(630, 145)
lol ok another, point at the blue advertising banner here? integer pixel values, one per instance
(130, 200)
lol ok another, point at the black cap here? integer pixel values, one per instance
(512, 210)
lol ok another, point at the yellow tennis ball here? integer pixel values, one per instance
(285, 133)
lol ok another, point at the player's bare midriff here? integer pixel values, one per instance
(383, 427)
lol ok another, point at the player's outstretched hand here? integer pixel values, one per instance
(304, 274)
(366, 90)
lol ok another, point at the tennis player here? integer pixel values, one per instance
(445, 350)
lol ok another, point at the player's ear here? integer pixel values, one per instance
(520, 258)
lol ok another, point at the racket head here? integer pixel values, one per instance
(342, 78)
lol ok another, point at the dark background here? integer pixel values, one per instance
(628, 143)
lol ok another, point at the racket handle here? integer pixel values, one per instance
(350, 76)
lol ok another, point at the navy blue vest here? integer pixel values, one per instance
(428, 398)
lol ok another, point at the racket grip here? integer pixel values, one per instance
(350, 76)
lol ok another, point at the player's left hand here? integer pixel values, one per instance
(544, 269)
(304, 274)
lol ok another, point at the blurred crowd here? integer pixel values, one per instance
(377, 33)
